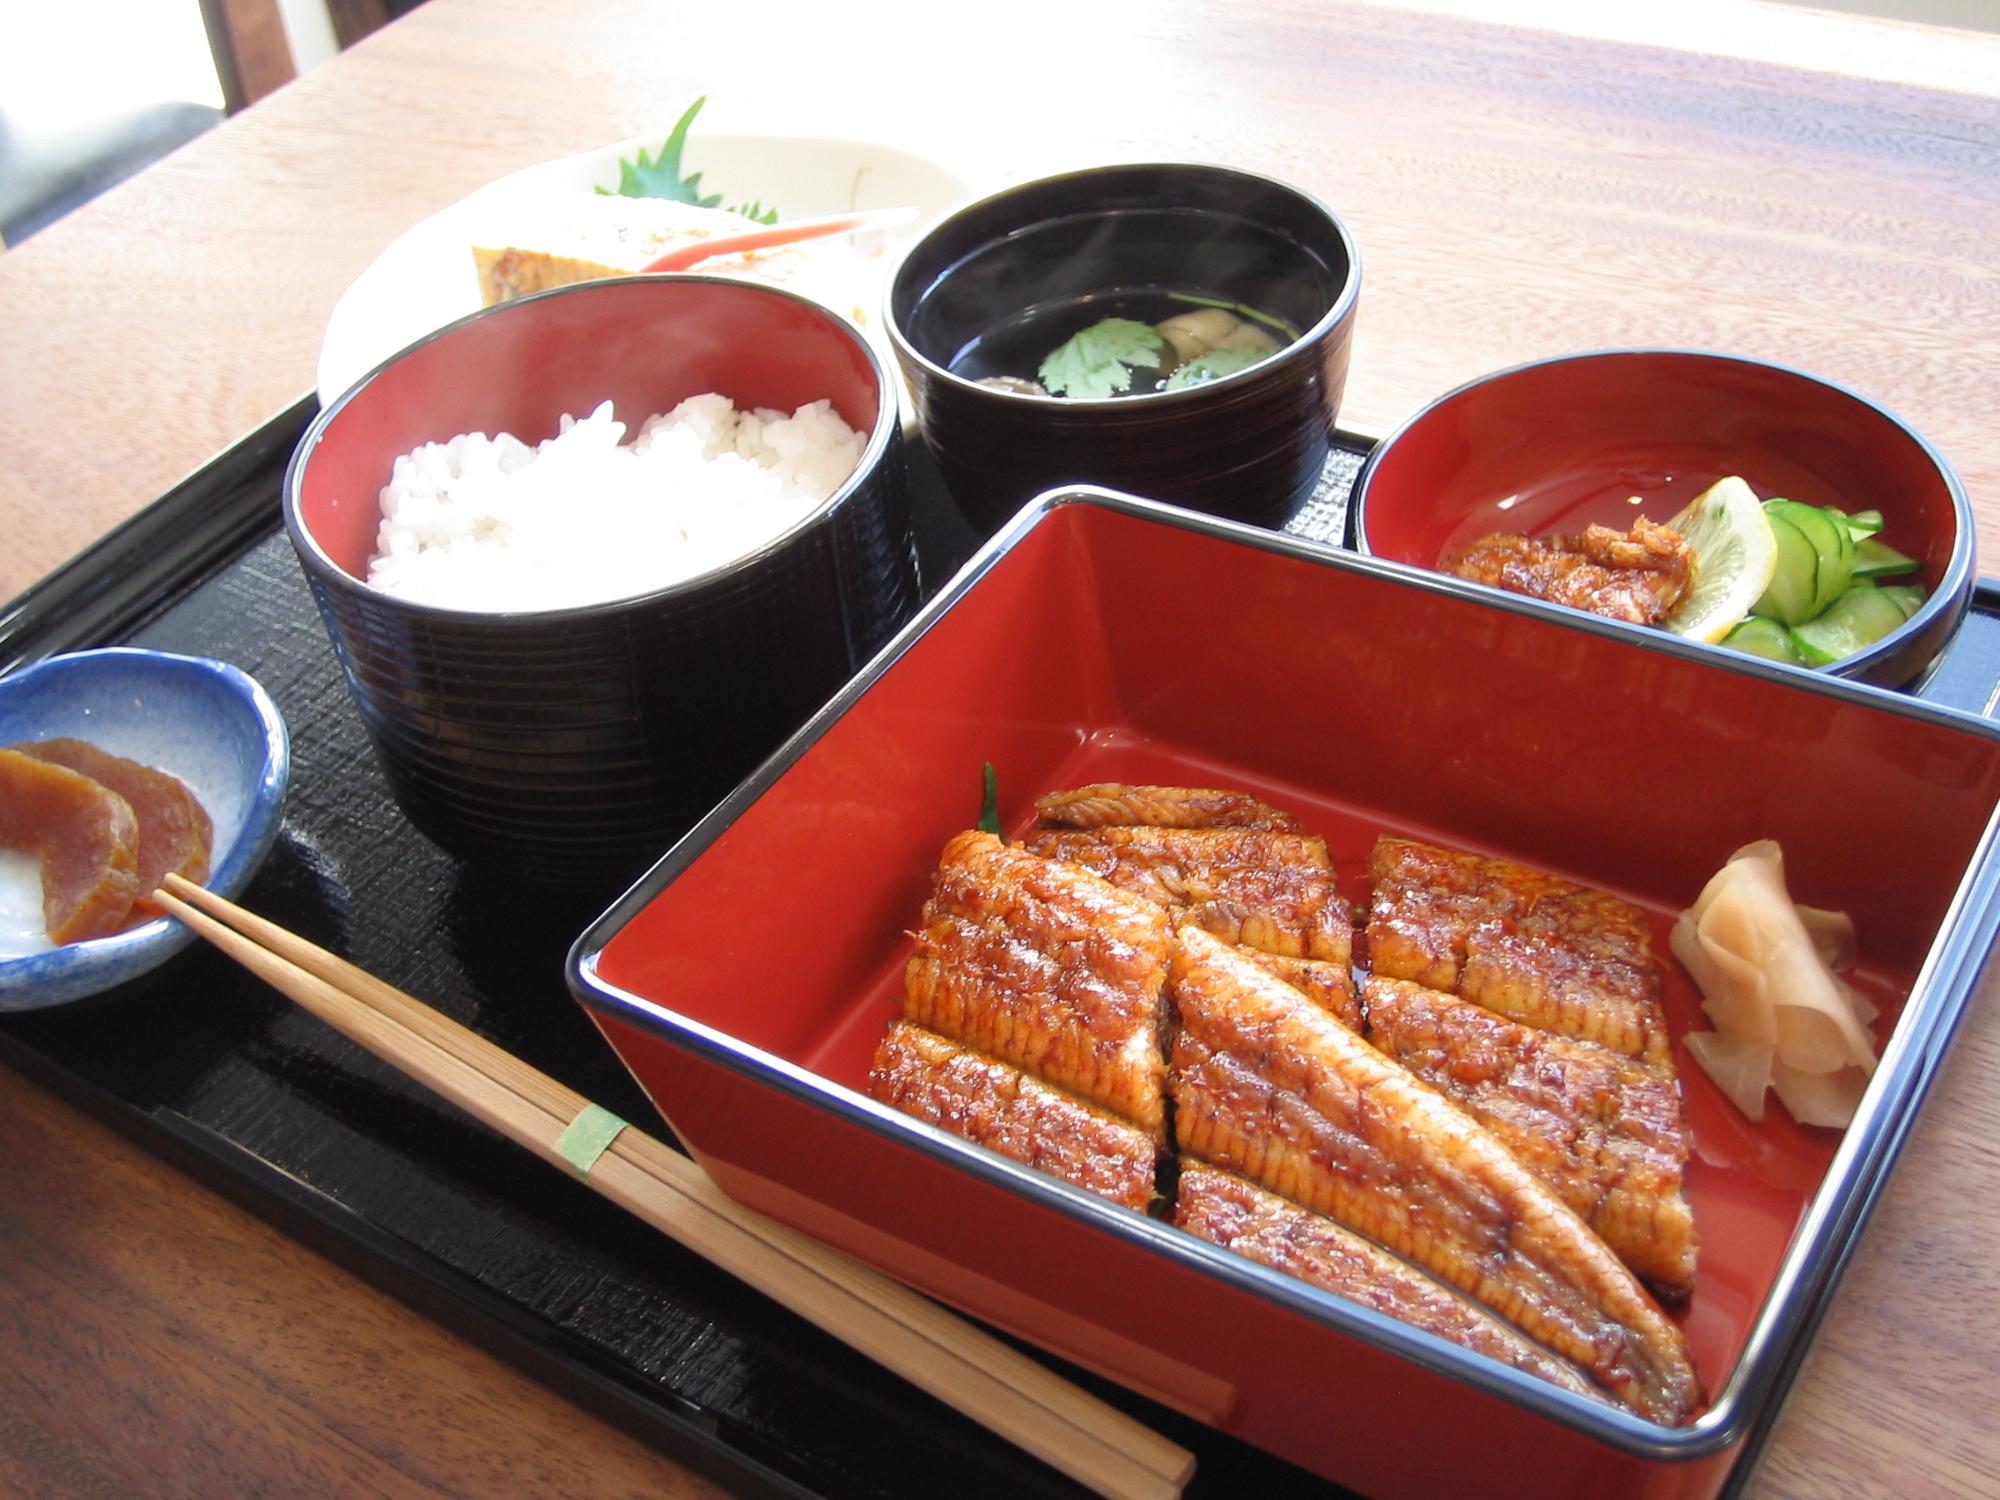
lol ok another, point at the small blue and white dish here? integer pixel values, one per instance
(204, 721)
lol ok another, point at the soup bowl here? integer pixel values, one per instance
(1000, 284)
(1553, 446)
(573, 744)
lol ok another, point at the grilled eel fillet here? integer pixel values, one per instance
(1518, 941)
(1225, 1210)
(1330, 986)
(1640, 575)
(1002, 1108)
(1108, 803)
(1270, 891)
(1602, 1129)
(1045, 966)
(1268, 1086)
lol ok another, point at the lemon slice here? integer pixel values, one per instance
(1735, 555)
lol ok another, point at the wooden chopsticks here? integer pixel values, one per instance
(945, 1356)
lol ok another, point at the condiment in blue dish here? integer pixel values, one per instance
(206, 722)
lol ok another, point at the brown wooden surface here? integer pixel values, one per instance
(161, 1341)
(1516, 192)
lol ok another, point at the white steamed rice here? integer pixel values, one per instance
(489, 523)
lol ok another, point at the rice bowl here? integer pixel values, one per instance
(490, 523)
(569, 744)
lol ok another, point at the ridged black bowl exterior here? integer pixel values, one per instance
(576, 746)
(1251, 447)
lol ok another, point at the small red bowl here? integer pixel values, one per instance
(1554, 446)
(572, 745)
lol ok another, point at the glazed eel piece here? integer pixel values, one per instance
(1330, 986)
(1268, 1086)
(1604, 1130)
(1270, 891)
(1226, 1210)
(996, 1105)
(1518, 941)
(1640, 575)
(1045, 966)
(1108, 803)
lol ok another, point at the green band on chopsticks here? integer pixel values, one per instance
(588, 1137)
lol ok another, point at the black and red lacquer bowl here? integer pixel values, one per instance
(1060, 252)
(748, 978)
(1553, 446)
(573, 745)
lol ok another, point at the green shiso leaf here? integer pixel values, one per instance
(1099, 361)
(1213, 366)
(755, 210)
(989, 805)
(660, 175)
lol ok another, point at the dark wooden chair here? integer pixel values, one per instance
(252, 53)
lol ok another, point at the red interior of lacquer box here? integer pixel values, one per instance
(1108, 646)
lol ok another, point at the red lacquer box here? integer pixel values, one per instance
(746, 980)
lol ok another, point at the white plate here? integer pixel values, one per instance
(425, 279)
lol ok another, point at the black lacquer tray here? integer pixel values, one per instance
(202, 1063)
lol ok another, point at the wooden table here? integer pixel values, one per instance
(1819, 190)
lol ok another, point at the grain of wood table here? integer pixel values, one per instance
(1818, 190)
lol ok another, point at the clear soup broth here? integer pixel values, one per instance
(1127, 342)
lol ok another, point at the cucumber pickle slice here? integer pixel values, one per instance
(1831, 540)
(1908, 597)
(1877, 559)
(1760, 636)
(1795, 583)
(1859, 618)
